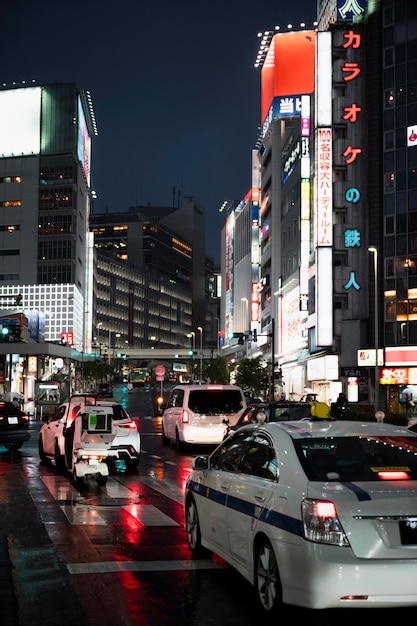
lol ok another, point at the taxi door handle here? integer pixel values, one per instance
(260, 497)
(225, 486)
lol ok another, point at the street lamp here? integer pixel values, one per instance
(376, 390)
(201, 353)
(192, 336)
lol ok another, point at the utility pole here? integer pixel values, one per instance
(272, 334)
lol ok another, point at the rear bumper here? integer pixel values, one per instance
(123, 452)
(14, 436)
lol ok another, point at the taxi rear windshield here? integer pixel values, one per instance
(368, 458)
(215, 401)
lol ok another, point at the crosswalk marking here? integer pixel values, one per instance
(82, 512)
(149, 515)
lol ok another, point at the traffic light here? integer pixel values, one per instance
(239, 337)
(5, 333)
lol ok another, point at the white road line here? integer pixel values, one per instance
(143, 566)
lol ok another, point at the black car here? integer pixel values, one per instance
(277, 411)
(14, 426)
(105, 389)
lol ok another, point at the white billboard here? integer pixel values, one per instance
(20, 115)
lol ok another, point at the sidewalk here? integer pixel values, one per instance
(35, 587)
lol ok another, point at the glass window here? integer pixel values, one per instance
(412, 178)
(400, 181)
(389, 267)
(412, 200)
(389, 204)
(412, 45)
(260, 459)
(389, 243)
(389, 161)
(401, 223)
(400, 74)
(411, 114)
(389, 224)
(228, 456)
(389, 120)
(412, 71)
(401, 159)
(401, 202)
(400, 32)
(389, 178)
(388, 57)
(388, 16)
(390, 310)
(401, 120)
(400, 95)
(412, 221)
(412, 92)
(389, 141)
(356, 458)
(215, 402)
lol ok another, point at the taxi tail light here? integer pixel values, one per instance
(129, 426)
(321, 523)
(185, 417)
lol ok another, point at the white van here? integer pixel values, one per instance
(194, 414)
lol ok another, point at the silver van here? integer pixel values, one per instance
(195, 414)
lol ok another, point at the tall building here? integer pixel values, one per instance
(155, 305)
(45, 193)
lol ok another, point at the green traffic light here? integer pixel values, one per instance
(5, 330)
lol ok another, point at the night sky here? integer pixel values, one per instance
(174, 89)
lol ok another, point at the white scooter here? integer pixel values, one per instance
(90, 448)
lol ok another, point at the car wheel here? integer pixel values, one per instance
(12, 447)
(42, 455)
(133, 463)
(59, 460)
(192, 527)
(101, 480)
(165, 439)
(267, 580)
(77, 480)
(179, 445)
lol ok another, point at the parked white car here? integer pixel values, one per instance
(319, 514)
(196, 414)
(54, 446)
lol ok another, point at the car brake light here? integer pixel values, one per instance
(394, 475)
(130, 425)
(185, 417)
(321, 523)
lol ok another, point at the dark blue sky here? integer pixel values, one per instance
(174, 88)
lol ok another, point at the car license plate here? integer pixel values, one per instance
(12, 420)
(408, 531)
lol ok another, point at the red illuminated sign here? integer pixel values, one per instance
(68, 338)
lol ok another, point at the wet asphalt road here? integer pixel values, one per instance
(118, 555)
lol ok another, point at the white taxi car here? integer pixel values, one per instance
(319, 514)
(53, 445)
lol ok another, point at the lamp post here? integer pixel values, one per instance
(201, 353)
(192, 335)
(374, 251)
(246, 301)
(218, 335)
